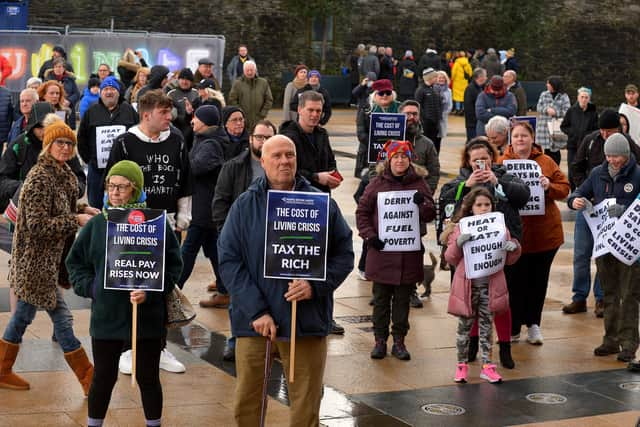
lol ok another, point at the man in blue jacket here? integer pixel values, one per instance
(261, 307)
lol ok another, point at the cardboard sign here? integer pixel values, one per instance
(623, 241)
(296, 235)
(600, 224)
(134, 256)
(104, 141)
(383, 127)
(529, 171)
(398, 221)
(484, 254)
(633, 116)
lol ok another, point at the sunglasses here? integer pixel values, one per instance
(385, 93)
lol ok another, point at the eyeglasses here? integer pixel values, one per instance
(238, 120)
(64, 143)
(117, 187)
(261, 137)
(385, 93)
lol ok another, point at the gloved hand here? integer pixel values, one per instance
(510, 246)
(418, 198)
(376, 243)
(462, 239)
(616, 210)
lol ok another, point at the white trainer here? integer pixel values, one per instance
(125, 363)
(534, 336)
(169, 363)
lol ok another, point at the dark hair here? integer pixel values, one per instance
(409, 102)
(556, 83)
(477, 73)
(266, 123)
(153, 99)
(466, 208)
(310, 95)
(476, 143)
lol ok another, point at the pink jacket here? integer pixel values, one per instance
(460, 297)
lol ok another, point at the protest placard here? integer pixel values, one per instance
(623, 241)
(529, 171)
(135, 249)
(398, 221)
(484, 253)
(633, 116)
(600, 224)
(296, 235)
(105, 135)
(383, 127)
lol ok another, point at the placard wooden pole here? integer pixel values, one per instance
(292, 348)
(265, 382)
(134, 342)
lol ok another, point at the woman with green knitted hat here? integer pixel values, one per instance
(111, 310)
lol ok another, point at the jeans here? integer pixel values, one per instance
(582, 249)
(458, 105)
(95, 186)
(471, 132)
(60, 316)
(207, 239)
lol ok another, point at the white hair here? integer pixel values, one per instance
(497, 124)
(248, 63)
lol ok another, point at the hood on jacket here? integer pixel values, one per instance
(38, 112)
(156, 75)
(48, 74)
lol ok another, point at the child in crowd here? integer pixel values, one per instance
(471, 298)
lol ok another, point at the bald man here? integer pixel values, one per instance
(261, 308)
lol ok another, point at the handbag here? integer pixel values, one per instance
(180, 312)
(558, 138)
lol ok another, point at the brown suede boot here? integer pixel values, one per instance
(79, 363)
(8, 354)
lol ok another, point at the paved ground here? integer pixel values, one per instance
(583, 390)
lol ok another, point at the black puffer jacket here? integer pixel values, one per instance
(206, 159)
(577, 123)
(430, 109)
(515, 194)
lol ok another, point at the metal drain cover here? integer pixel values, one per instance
(547, 398)
(631, 386)
(443, 409)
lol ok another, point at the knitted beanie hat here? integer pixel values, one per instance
(131, 171)
(393, 147)
(209, 115)
(609, 119)
(617, 145)
(57, 129)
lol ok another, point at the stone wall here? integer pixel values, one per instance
(588, 42)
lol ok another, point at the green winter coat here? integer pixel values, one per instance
(253, 96)
(111, 309)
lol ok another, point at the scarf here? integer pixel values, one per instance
(140, 204)
(299, 83)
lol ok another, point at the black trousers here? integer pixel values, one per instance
(527, 281)
(106, 354)
(391, 302)
(555, 155)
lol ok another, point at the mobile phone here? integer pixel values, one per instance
(480, 164)
(336, 175)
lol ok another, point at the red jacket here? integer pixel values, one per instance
(393, 268)
(541, 233)
(460, 296)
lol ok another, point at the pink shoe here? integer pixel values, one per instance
(461, 372)
(490, 374)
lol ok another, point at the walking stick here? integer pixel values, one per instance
(265, 381)
(134, 342)
(292, 348)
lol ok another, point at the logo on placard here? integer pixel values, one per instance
(136, 217)
(628, 188)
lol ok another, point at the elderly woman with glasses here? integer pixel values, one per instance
(111, 312)
(381, 100)
(47, 221)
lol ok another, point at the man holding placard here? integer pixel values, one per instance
(99, 127)
(302, 241)
(618, 177)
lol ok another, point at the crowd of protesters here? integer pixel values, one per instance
(208, 159)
